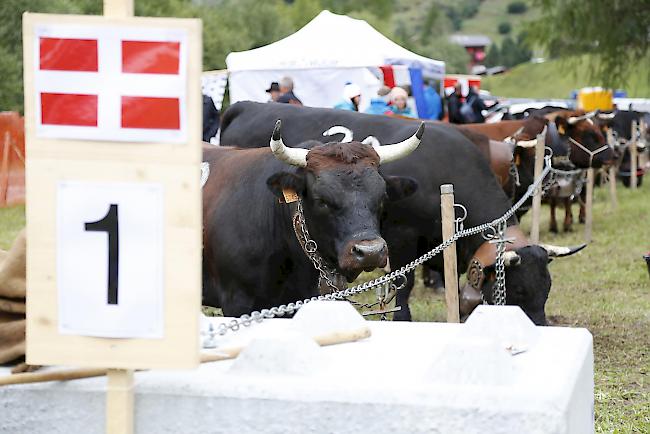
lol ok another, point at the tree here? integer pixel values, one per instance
(614, 33)
(517, 7)
(493, 57)
(504, 28)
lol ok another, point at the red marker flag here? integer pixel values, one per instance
(98, 84)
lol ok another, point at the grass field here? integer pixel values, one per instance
(604, 288)
(554, 79)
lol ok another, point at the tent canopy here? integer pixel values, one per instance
(328, 52)
(332, 41)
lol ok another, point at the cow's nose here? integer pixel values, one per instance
(370, 253)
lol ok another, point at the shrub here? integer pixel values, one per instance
(517, 7)
(504, 28)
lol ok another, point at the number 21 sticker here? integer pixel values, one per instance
(110, 259)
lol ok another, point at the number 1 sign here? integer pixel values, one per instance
(109, 259)
(113, 136)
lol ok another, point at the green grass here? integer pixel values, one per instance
(12, 220)
(555, 79)
(605, 288)
(491, 14)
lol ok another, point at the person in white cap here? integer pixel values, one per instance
(399, 102)
(351, 98)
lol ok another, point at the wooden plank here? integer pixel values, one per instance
(449, 254)
(174, 166)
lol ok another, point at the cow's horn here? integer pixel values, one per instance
(574, 119)
(295, 157)
(526, 143)
(606, 115)
(511, 258)
(559, 251)
(388, 153)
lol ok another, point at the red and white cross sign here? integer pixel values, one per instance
(110, 83)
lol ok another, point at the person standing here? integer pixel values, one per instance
(351, 98)
(454, 103)
(274, 91)
(433, 102)
(286, 88)
(476, 103)
(379, 103)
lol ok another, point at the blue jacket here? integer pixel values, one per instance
(434, 104)
(377, 107)
(345, 105)
(406, 112)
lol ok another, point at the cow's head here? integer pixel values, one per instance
(343, 194)
(528, 281)
(585, 139)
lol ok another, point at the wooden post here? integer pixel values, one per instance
(119, 389)
(537, 196)
(589, 204)
(4, 169)
(612, 173)
(612, 187)
(119, 401)
(643, 157)
(633, 156)
(449, 254)
(118, 8)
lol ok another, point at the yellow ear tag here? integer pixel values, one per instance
(290, 195)
(517, 160)
(560, 129)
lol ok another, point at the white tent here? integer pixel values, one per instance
(321, 58)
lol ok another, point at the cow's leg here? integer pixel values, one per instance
(568, 215)
(402, 299)
(582, 217)
(553, 223)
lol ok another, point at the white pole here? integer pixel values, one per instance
(612, 173)
(633, 156)
(589, 204)
(537, 197)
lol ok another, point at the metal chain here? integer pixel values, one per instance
(259, 316)
(310, 248)
(499, 292)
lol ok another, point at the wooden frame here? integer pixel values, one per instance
(174, 166)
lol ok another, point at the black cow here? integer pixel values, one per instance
(252, 258)
(620, 122)
(412, 225)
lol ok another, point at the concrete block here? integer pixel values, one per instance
(318, 318)
(407, 377)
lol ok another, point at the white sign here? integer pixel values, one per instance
(97, 83)
(109, 259)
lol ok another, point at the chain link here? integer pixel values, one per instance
(259, 316)
(499, 293)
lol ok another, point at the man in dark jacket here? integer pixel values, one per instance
(454, 103)
(477, 104)
(288, 97)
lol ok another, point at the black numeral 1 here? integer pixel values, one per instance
(110, 225)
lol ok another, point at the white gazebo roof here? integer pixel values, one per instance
(331, 41)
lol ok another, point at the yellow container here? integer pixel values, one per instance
(595, 98)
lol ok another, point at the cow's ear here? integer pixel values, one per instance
(400, 187)
(562, 124)
(287, 182)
